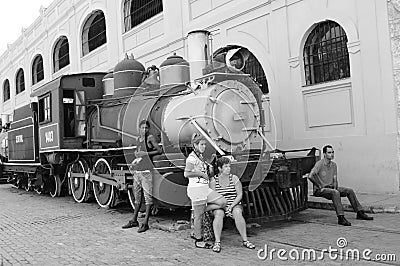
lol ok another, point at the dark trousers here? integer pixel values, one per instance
(334, 195)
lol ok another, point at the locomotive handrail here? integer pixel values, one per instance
(139, 94)
(265, 139)
(90, 150)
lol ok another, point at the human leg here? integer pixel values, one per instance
(218, 223)
(137, 192)
(334, 195)
(237, 213)
(240, 223)
(198, 210)
(351, 195)
(147, 184)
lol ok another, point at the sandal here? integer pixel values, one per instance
(248, 244)
(200, 243)
(217, 247)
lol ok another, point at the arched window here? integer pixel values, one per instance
(20, 81)
(242, 59)
(6, 90)
(61, 54)
(94, 32)
(37, 69)
(138, 11)
(326, 57)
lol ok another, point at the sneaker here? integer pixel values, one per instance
(362, 216)
(343, 221)
(130, 224)
(143, 228)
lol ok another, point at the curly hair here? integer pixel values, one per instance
(221, 161)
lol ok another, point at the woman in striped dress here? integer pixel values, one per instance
(229, 186)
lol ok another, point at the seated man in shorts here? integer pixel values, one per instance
(229, 186)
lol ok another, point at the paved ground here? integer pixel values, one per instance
(39, 230)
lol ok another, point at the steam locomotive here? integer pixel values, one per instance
(80, 136)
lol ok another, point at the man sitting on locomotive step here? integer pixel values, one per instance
(324, 179)
(147, 147)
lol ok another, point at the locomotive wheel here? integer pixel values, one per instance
(79, 186)
(55, 186)
(104, 193)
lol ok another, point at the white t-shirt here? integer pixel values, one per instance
(198, 166)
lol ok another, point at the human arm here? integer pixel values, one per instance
(190, 172)
(151, 140)
(335, 181)
(314, 176)
(212, 183)
(239, 193)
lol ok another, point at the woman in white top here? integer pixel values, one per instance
(198, 190)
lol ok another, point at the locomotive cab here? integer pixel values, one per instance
(62, 109)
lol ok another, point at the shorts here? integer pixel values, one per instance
(143, 180)
(199, 193)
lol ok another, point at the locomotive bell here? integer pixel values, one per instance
(174, 71)
(108, 85)
(127, 76)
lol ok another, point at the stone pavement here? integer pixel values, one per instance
(40, 230)
(372, 202)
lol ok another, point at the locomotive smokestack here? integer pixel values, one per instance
(198, 52)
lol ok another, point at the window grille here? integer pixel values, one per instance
(138, 11)
(37, 69)
(94, 32)
(326, 57)
(44, 109)
(20, 81)
(61, 54)
(6, 90)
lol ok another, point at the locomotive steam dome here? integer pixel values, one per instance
(174, 71)
(108, 85)
(127, 76)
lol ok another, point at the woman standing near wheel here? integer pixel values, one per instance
(203, 198)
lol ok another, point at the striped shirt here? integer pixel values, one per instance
(229, 192)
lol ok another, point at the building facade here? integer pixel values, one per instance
(330, 69)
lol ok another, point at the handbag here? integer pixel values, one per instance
(207, 229)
